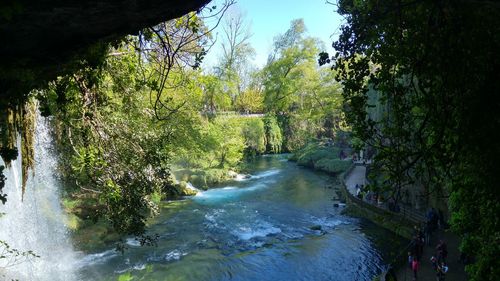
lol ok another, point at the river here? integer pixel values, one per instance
(254, 229)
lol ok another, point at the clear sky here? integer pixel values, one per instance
(268, 18)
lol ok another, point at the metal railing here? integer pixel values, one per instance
(408, 214)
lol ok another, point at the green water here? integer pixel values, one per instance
(254, 229)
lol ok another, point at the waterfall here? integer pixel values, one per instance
(190, 186)
(36, 222)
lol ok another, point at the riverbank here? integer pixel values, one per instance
(355, 175)
(315, 154)
(205, 178)
(322, 157)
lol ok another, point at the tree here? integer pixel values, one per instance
(250, 101)
(255, 136)
(214, 98)
(433, 67)
(290, 38)
(300, 93)
(225, 141)
(176, 44)
(236, 51)
(286, 68)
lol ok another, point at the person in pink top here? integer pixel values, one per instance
(415, 266)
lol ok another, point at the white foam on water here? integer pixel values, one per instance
(217, 194)
(213, 219)
(192, 187)
(174, 255)
(259, 229)
(138, 267)
(229, 193)
(242, 177)
(133, 242)
(266, 174)
(327, 222)
(214, 214)
(98, 258)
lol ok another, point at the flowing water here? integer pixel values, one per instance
(36, 222)
(260, 228)
(279, 224)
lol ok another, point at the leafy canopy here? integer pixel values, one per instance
(432, 68)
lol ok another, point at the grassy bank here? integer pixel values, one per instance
(321, 157)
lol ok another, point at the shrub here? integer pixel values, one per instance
(313, 152)
(333, 166)
(320, 157)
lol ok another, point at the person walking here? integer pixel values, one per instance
(442, 269)
(442, 251)
(434, 263)
(410, 260)
(417, 248)
(415, 266)
(427, 233)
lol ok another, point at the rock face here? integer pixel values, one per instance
(40, 36)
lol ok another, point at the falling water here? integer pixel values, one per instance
(190, 186)
(36, 222)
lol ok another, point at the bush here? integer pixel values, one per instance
(202, 179)
(313, 152)
(333, 166)
(274, 138)
(255, 136)
(319, 157)
(214, 176)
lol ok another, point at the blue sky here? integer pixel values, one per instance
(268, 18)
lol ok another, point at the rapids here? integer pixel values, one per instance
(258, 228)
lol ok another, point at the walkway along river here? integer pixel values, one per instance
(402, 223)
(277, 225)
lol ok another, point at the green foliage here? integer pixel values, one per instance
(320, 157)
(284, 76)
(111, 147)
(313, 152)
(214, 176)
(250, 101)
(123, 125)
(418, 79)
(305, 98)
(227, 142)
(214, 97)
(203, 178)
(125, 277)
(234, 68)
(255, 136)
(333, 166)
(273, 134)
